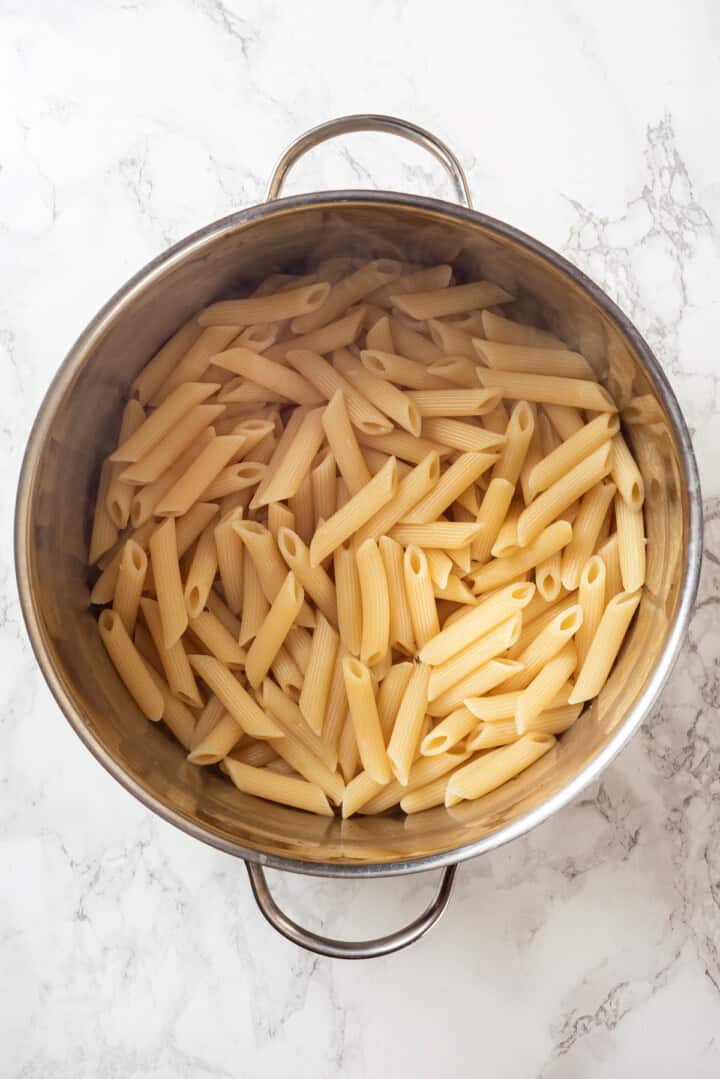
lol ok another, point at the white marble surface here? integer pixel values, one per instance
(592, 947)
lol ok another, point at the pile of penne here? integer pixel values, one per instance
(365, 541)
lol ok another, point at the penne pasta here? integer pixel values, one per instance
(278, 788)
(424, 771)
(217, 743)
(288, 716)
(480, 681)
(591, 597)
(118, 496)
(268, 374)
(405, 737)
(202, 572)
(402, 634)
(165, 452)
(461, 436)
(235, 698)
(548, 389)
(173, 660)
(194, 365)
(348, 291)
(273, 630)
(209, 718)
(343, 444)
(428, 278)
(458, 370)
(586, 529)
(401, 444)
(461, 474)
(328, 380)
(385, 396)
(390, 695)
(408, 342)
(104, 532)
(129, 584)
(314, 579)
(347, 586)
(168, 583)
(365, 720)
(374, 603)
(452, 341)
(476, 623)
(546, 684)
(157, 370)
(473, 656)
(504, 570)
(631, 544)
(549, 505)
(199, 476)
(400, 370)
(279, 516)
(229, 552)
(451, 301)
(355, 513)
(146, 499)
(291, 303)
(287, 477)
(336, 713)
(346, 467)
(610, 554)
(499, 707)
(440, 565)
(324, 487)
(626, 474)
(303, 510)
(449, 732)
(420, 597)
(497, 767)
(162, 420)
(449, 536)
(533, 359)
(410, 491)
(571, 452)
(348, 755)
(130, 666)
(493, 513)
(316, 686)
(335, 335)
(507, 332)
(551, 721)
(552, 638)
(443, 403)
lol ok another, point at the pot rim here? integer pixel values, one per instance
(193, 245)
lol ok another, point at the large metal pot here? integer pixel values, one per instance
(76, 425)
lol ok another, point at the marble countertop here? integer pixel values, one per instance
(589, 948)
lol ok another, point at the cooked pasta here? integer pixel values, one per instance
(365, 720)
(129, 584)
(273, 630)
(318, 676)
(130, 666)
(374, 603)
(354, 543)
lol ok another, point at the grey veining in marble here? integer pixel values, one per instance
(591, 947)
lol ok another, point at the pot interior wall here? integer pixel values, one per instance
(236, 254)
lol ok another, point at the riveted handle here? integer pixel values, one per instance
(348, 949)
(391, 125)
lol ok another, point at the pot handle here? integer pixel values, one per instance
(391, 125)
(348, 949)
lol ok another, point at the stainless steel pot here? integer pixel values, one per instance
(75, 428)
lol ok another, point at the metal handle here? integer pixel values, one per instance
(347, 949)
(392, 125)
